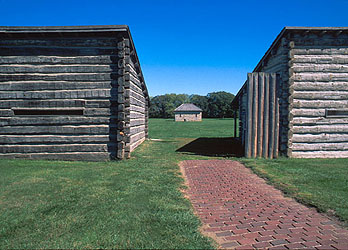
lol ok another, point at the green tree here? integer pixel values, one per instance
(219, 104)
(201, 102)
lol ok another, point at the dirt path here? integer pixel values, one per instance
(240, 210)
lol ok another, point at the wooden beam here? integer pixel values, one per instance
(249, 109)
(266, 117)
(254, 116)
(272, 94)
(260, 114)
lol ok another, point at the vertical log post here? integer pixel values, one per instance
(235, 122)
(260, 115)
(254, 116)
(266, 117)
(249, 110)
(272, 95)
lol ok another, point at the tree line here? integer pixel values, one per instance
(214, 105)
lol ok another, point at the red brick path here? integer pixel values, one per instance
(239, 210)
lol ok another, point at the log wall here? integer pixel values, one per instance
(318, 83)
(70, 97)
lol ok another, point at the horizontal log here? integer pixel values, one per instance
(320, 59)
(318, 129)
(100, 111)
(54, 51)
(136, 130)
(6, 112)
(328, 68)
(319, 120)
(133, 146)
(322, 42)
(320, 86)
(135, 88)
(136, 122)
(320, 103)
(52, 60)
(342, 146)
(136, 137)
(321, 95)
(308, 112)
(60, 77)
(136, 115)
(22, 69)
(72, 156)
(101, 103)
(320, 51)
(55, 85)
(140, 109)
(60, 94)
(320, 154)
(82, 42)
(320, 138)
(320, 77)
(136, 102)
(63, 130)
(135, 95)
(43, 139)
(60, 120)
(57, 148)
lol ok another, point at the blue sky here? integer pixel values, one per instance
(186, 46)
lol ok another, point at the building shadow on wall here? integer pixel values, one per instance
(222, 147)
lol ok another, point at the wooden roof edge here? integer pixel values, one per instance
(81, 28)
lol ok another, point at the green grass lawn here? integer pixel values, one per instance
(167, 128)
(137, 203)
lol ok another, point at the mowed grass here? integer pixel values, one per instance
(322, 183)
(135, 203)
(168, 128)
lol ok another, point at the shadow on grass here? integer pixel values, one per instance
(223, 147)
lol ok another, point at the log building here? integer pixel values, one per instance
(188, 112)
(295, 103)
(71, 93)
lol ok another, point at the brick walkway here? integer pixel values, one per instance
(239, 210)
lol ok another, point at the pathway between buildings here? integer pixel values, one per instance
(239, 210)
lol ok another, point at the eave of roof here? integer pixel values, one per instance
(45, 29)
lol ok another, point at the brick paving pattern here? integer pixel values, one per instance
(241, 211)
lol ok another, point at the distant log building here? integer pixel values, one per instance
(295, 103)
(188, 112)
(70, 93)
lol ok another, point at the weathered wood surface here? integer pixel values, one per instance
(53, 85)
(43, 139)
(320, 76)
(320, 137)
(321, 154)
(262, 116)
(96, 74)
(66, 156)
